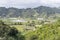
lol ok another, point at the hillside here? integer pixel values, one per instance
(41, 11)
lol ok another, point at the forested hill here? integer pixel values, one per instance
(41, 11)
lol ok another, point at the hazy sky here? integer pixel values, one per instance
(29, 3)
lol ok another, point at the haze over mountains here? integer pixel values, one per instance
(41, 11)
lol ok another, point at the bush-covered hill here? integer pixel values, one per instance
(41, 11)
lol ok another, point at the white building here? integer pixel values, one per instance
(40, 18)
(17, 20)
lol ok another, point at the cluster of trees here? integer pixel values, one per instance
(17, 23)
(46, 32)
(9, 33)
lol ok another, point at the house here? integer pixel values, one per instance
(40, 18)
(17, 20)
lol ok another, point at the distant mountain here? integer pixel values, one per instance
(41, 11)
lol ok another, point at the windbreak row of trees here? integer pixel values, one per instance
(46, 32)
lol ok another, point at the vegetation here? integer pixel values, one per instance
(40, 23)
(49, 31)
(33, 13)
(9, 33)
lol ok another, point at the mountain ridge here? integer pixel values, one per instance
(41, 11)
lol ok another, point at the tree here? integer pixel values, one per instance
(9, 33)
